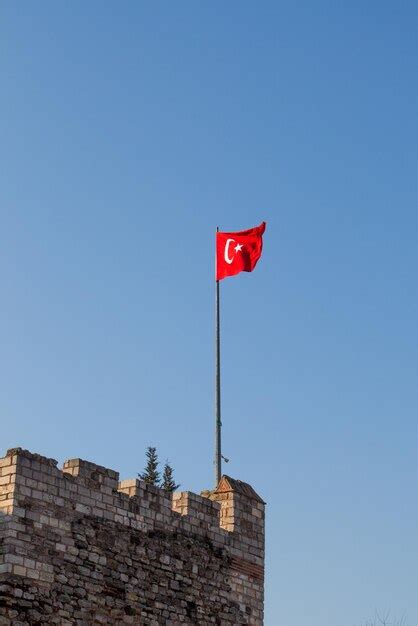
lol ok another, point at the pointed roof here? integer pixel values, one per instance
(227, 484)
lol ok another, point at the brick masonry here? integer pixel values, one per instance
(79, 547)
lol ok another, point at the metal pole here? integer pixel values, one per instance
(218, 452)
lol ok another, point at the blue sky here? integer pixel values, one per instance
(128, 132)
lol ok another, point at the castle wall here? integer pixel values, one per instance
(79, 547)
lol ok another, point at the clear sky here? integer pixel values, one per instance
(128, 132)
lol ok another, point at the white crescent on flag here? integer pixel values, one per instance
(227, 259)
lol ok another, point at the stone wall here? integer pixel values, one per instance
(79, 547)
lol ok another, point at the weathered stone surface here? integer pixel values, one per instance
(77, 547)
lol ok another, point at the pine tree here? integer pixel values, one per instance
(168, 483)
(151, 474)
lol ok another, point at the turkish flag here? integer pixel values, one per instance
(238, 252)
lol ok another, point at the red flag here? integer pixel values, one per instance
(238, 252)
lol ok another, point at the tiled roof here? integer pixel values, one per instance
(237, 486)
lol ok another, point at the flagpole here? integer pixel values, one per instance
(218, 424)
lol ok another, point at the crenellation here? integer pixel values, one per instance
(126, 551)
(92, 475)
(199, 508)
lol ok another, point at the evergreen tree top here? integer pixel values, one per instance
(151, 474)
(168, 482)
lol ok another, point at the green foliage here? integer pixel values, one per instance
(168, 482)
(151, 474)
